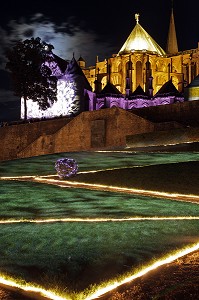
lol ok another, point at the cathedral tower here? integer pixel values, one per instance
(172, 44)
(142, 62)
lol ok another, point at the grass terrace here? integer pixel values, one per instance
(74, 240)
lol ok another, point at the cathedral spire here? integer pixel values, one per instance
(137, 18)
(139, 39)
(172, 44)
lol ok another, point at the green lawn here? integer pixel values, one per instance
(74, 257)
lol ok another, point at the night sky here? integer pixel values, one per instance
(90, 30)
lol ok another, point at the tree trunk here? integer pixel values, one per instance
(25, 108)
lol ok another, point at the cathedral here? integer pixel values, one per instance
(140, 75)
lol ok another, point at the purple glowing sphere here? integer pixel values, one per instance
(66, 167)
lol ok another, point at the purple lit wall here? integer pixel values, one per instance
(64, 106)
(68, 100)
(107, 102)
(73, 97)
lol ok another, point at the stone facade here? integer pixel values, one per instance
(75, 134)
(140, 58)
(181, 67)
(105, 129)
(117, 126)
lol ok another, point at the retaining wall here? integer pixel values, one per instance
(102, 129)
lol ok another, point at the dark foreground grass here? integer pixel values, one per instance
(179, 178)
(45, 164)
(177, 280)
(74, 256)
(30, 200)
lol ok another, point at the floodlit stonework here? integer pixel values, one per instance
(140, 75)
(139, 97)
(141, 58)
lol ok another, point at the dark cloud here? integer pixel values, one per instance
(67, 38)
(5, 82)
(7, 96)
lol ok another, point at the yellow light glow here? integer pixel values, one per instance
(132, 219)
(67, 183)
(157, 264)
(101, 291)
(16, 177)
(29, 288)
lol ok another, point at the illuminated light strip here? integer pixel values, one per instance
(102, 291)
(16, 177)
(87, 172)
(95, 171)
(144, 271)
(116, 151)
(110, 169)
(55, 175)
(66, 183)
(124, 151)
(29, 288)
(164, 145)
(99, 219)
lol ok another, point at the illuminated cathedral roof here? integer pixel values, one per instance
(110, 89)
(139, 92)
(194, 82)
(140, 40)
(168, 89)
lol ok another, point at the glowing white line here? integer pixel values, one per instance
(29, 288)
(66, 183)
(54, 220)
(157, 264)
(55, 175)
(96, 186)
(116, 151)
(101, 291)
(16, 177)
(151, 193)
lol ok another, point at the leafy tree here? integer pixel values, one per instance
(32, 78)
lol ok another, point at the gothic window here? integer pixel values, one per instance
(116, 67)
(159, 66)
(186, 73)
(104, 81)
(119, 67)
(193, 70)
(138, 73)
(175, 81)
(116, 80)
(128, 68)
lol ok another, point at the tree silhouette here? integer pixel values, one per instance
(30, 74)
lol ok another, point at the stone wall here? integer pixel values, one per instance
(185, 113)
(173, 125)
(76, 134)
(14, 138)
(103, 129)
(163, 138)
